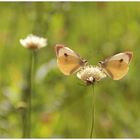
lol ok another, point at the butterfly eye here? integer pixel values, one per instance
(121, 60)
(65, 54)
(100, 63)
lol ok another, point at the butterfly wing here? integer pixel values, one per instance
(67, 60)
(117, 66)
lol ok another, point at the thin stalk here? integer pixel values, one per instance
(92, 115)
(31, 92)
(24, 124)
(27, 98)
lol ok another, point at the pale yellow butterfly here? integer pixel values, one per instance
(67, 60)
(70, 62)
(117, 65)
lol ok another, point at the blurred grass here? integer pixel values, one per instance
(61, 107)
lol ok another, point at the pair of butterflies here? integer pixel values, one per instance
(70, 62)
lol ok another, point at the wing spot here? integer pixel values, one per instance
(65, 54)
(121, 60)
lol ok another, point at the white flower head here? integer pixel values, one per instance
(90, 74)
(33, 42)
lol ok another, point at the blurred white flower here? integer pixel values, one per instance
(90, 74)
(33, 42)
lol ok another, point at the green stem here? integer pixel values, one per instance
(31, 92)
(92, 115)
(26, 113)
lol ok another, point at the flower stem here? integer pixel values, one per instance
(30, 92)
(27, 98)
(92, 114)
(24, 120)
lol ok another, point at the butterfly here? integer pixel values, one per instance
(70, 62)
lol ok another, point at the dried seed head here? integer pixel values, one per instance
(90, 74)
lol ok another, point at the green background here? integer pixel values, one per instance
(61, 105)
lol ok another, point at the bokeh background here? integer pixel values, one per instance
(61, 105)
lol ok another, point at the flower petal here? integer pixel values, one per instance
(33, 41)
